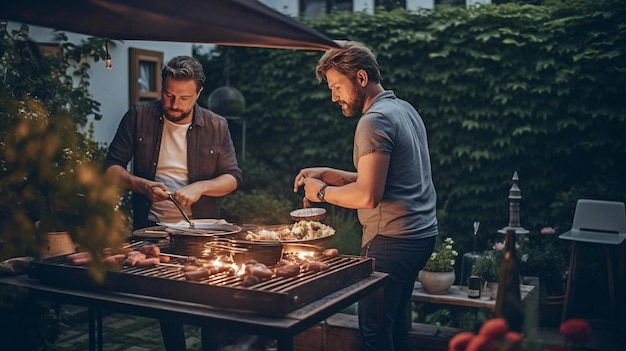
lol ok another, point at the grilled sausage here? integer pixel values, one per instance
(76, 255)
(190, 268)
(148, 262)
(288, 270)
(80, 258)
(259, 270)
(115, 260)
(82, 261)
(250, 280)
(150, 250)
(164, 259)
(330, 253)
(198, 274)
(134, 257)
(317, 266)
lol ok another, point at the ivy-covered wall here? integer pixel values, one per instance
(502, 88)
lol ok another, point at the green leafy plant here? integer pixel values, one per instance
(500, 88)
(542, 256)
(487, 265)
(51, 177)
(443, 257)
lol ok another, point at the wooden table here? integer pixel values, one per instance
(457, 296)
(282, 328)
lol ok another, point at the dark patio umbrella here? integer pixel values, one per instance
(221, 22)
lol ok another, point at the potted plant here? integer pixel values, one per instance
(50, 176)
(487, 266)
(438, 275)
(51, 179)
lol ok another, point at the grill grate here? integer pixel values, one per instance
(276, 296)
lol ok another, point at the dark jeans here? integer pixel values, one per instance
(401, 259)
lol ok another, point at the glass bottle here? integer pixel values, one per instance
(508, 301)
(474, 286)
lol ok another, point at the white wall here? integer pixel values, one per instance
(288, 7)
(416, 4)
(366, 6)
(110, 87)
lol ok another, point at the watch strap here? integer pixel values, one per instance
(321, 193)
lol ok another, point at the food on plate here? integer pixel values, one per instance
(301, 230)
(317, 266)
(287, 270)
(330, 253)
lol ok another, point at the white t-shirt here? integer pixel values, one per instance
(172, 171)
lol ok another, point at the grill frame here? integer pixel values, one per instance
(274, 297)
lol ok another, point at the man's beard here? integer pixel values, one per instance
(355, 107)
(176, 119)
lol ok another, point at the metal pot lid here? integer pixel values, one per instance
(151, 232)
(202, 229)
(308, 214)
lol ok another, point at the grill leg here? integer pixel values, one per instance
(95, 321)
(570, 279)
(92, 328)
(284, 343)
(100, 339)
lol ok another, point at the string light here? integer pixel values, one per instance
(108, 61)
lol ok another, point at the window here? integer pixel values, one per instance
(145, 75)
(390, 4)
(51, 49)
(450, 2)
(319, 8)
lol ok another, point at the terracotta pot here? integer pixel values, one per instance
(59, 243)
(436, 283)
(491, 290)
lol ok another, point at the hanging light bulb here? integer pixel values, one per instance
(108, 61)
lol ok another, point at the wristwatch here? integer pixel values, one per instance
(321, 193)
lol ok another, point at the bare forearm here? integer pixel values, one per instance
(126, 180)
(350, 196)
(216, 187)
(338, 177)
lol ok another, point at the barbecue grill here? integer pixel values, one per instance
(276, 296)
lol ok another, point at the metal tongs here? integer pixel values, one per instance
(191, 225)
